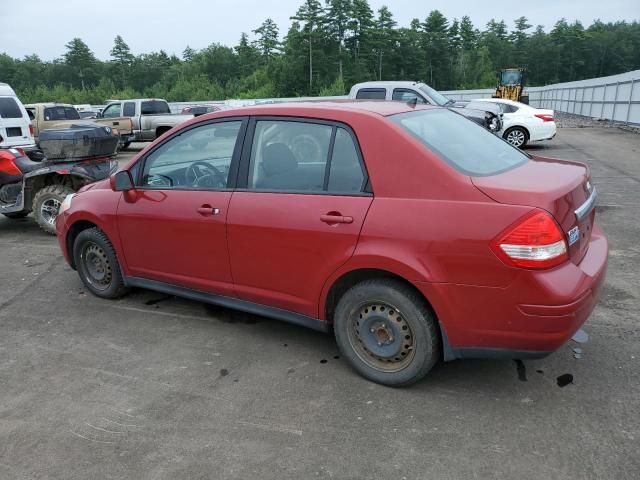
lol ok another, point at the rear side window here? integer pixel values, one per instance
(288, 155)
(371, 94)
(294, 156)
(61, 113)
(129, 109)
(154, 107)
(463, 144)
(345, 174)
(9, 108)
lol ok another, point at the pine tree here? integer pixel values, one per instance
(338, 17)
(122, 59)
(311, 14)
(268, 42)
(82, 62)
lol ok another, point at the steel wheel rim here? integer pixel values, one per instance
(49, 210)
(96, 265)
(381, 337)
(515, 138)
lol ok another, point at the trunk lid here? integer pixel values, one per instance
(560, 187)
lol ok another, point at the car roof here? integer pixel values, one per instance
(48, 104)
(309, 108)
(381, 83)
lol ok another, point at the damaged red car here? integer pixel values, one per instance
(410, 232)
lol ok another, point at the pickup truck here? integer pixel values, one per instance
(484, 115)
(62, 115)
(151, 117)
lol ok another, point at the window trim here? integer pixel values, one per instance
(242, 184)
(233, 167)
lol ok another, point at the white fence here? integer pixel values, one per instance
(615, 98)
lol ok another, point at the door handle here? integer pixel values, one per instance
(207, 210)
(116, 123)
(333, 219)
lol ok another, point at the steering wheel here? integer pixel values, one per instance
(202, 174)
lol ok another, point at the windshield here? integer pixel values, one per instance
(153, 107)
(438, 98)
(463, 144)
(511, 78)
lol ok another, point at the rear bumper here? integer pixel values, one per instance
(530, 318)
(545, 131)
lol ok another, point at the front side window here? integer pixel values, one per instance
(61, 113)
(199, 158)
(289, 155)
(371, 94)
(404, 95)
(112, 111)
(465, 145)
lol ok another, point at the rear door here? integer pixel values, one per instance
(14, 123)
(173, 225)
(298, 210)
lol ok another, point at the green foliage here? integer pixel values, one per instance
(335, 89)
(329, 46)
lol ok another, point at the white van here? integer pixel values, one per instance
(15, 127)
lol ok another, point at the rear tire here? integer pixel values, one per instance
(98, 265)
(387, 332)
(16, 215)
(46, 204)
(516, 136)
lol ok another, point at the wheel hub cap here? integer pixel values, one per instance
(382, 337)
(97, 266)
(49, 210)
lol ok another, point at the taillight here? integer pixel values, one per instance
(31, 129)
(535, 241)
(545, 117)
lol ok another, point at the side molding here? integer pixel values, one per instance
(228, 302)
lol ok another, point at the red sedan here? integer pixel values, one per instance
(409, 231)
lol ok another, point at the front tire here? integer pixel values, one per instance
(516, 136)
(387, 332)
(46, 204)
(126, 145)
(97, 264)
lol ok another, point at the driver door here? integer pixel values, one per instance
(173, 225)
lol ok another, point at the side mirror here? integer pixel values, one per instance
(122, 181)
(99, 115)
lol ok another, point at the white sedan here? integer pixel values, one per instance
(522, 123)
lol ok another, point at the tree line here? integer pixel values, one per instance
(328, 47)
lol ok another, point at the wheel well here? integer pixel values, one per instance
(73, 233)
(350, 279)
(526, 131)
(161, 130)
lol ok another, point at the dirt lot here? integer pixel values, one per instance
(153, 387)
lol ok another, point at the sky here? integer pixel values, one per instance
(44, 27)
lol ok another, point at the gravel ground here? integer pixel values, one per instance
(570, 120)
